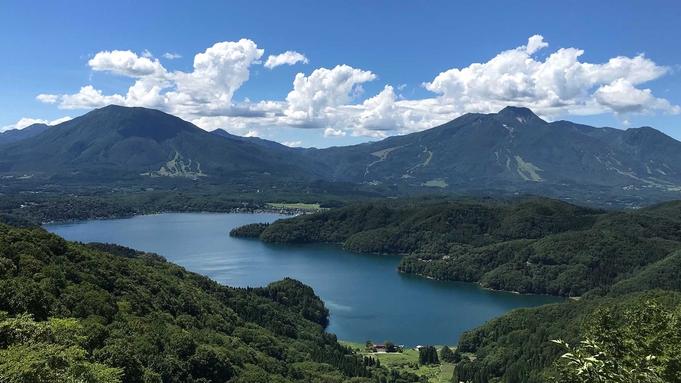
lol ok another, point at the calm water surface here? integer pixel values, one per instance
(367, 297)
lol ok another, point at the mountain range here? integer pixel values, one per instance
(517, 147)
(512, 151)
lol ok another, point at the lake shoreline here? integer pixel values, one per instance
(487, 288)
(286, 212)
(359, 289)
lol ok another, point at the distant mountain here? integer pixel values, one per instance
(255, 140)
(515, 150)
(120, 140)
(15, 135)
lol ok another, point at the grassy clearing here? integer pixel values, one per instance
(527, 170)
(436, 183)
(302, 206)
(402, 361)
(178, 168)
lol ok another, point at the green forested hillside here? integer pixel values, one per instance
(133, 314)
(665, 275)
(15, 135)
(541, 246)
(442, 224)
(250, 230)
(517, 347)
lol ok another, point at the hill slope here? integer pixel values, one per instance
(158, 322)
(15, 135)
(116, 140)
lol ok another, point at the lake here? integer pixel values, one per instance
(367, 297)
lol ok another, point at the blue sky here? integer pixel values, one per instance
(364, 69)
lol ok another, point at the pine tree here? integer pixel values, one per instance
(446, 354)
(432, 356)
(457, 356)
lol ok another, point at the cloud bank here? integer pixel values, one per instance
(333, 100)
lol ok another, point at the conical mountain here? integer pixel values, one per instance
(146, 141)
(515, 150)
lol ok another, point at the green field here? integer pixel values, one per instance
(402, 361)
(302, 206)
(436, 183)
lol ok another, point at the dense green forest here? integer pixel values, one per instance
(23, 209)
(517, 348)
(540, 246)
(124, 315)
(641, 344)
(250, 230)
(34, 209)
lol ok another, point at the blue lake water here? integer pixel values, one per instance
(367, 297)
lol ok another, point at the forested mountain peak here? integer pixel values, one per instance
(516, 151)
(121, 142)
(134, 122)
(521, 114)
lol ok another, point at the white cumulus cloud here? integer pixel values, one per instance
(535, 43)
(331, 132)
(622, 97)
(313, 99)
(292, 144)
(207, 90)
(558, 85)
(126, 63)
(47, 98)
(288, 58)
(26, 122)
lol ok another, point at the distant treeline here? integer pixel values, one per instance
(23, 210)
